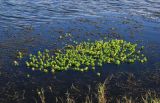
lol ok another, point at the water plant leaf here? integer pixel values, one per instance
(86, 55)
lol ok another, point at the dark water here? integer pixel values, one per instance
(31, 25)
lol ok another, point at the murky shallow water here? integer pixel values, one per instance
(29, 26)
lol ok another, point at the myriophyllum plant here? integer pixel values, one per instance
(85, 56)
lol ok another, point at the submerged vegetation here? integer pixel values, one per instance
(99, 96)
(85, 56)
(150, 98)
(101, 93)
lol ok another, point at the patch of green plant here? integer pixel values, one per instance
(85, 56)
(20, 55)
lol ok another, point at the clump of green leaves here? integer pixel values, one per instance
(85, 56)
(20, 55)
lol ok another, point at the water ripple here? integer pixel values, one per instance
(39, 11)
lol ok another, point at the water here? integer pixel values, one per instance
(31, 25)
(22, 12)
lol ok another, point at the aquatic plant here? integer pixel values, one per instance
(85, 56)
(20, 55)
(150, 98)
(69, 99)
(98, 96)
(101, 93)
(41, 95)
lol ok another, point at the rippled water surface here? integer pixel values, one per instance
(23, 12)
(31, 25)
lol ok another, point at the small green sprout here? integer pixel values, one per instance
(20, 55)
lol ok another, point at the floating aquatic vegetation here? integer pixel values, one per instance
(20, 55)
(85, 56)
